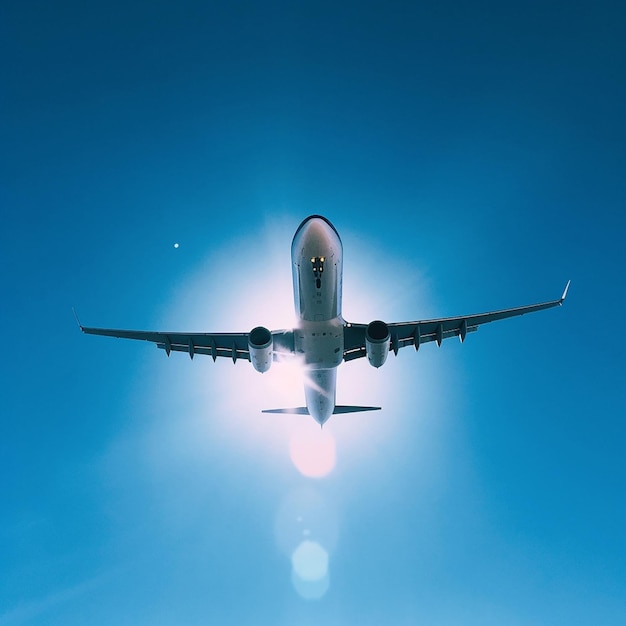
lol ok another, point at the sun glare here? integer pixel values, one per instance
(225, 295)
(222, 401)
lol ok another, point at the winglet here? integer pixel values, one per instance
(77, 320)
(565, 292)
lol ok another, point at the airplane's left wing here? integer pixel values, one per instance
(404, 334)
(230, 345)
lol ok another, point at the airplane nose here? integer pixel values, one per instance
(317, 234)
(315, 228)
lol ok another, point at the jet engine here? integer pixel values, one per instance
(261, 345)
(377, 340)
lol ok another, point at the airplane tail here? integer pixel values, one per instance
(302, 410)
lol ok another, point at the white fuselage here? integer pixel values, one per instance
(316, 255)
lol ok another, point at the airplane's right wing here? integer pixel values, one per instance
(404, 334)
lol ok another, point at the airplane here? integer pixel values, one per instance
(322, 339)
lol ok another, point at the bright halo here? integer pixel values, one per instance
(224, 295)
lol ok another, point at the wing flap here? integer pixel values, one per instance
(218, 352)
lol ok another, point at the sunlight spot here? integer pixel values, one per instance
(176, 245)
(310, 561)
(312, 451)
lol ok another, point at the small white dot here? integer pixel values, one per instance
(176, 245)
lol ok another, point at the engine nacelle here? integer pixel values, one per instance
(261, 345)
(377, 340)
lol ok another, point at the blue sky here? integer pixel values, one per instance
(471, 155)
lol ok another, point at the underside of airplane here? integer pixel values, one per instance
(322, 339)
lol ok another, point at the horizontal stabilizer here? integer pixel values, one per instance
(299, 410)
(302, 410)
(354, 409)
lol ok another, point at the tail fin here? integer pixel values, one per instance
(302, 410)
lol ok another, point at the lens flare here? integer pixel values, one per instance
(309, 575)
(310, 561)
(306, 532)
(312, 450)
